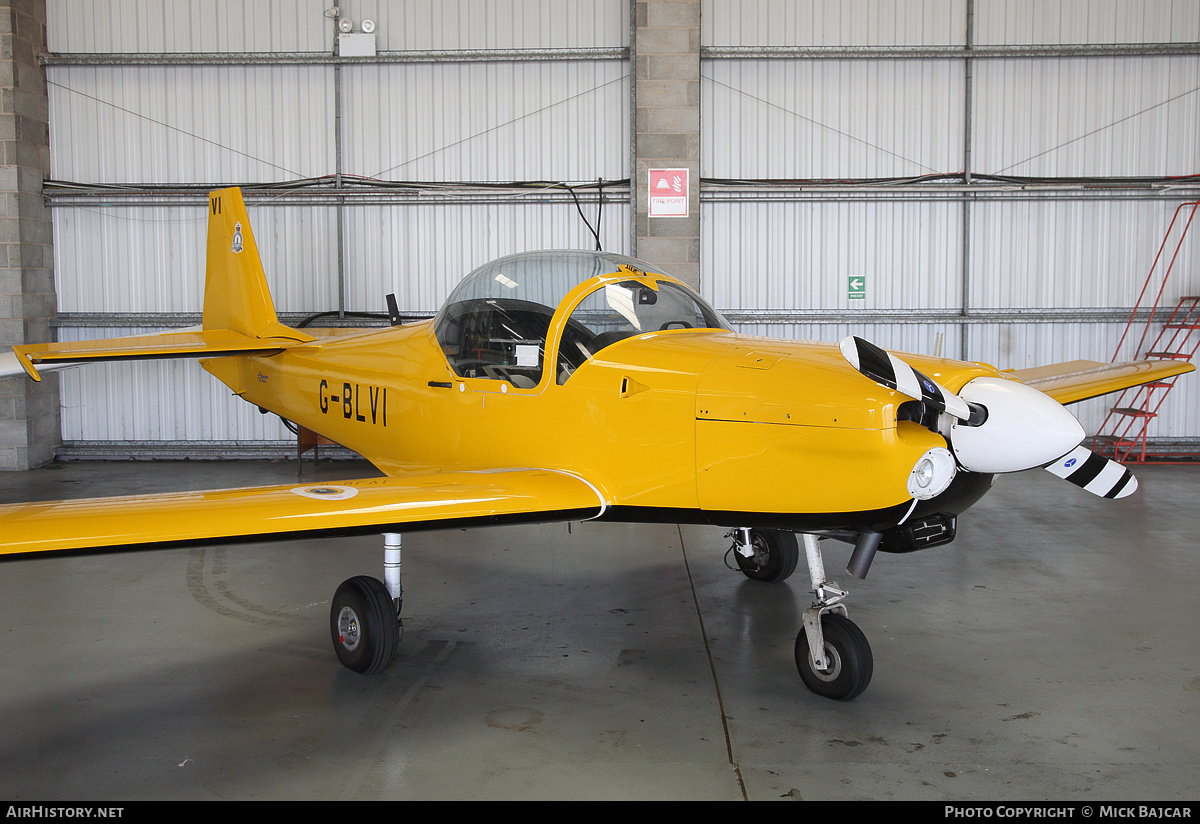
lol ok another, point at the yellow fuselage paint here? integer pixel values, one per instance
(686, 419)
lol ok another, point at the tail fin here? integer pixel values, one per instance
(236, 296)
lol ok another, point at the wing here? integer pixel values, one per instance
(365, 506)
(1082, 379)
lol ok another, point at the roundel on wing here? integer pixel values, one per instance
(325, 492)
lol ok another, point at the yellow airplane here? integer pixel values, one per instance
(562, 386)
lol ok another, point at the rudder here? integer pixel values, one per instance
(236, 296)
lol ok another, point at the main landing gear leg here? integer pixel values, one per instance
(364, 616)
(832, 654)
(768, 555)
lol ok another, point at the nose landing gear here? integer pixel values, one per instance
(847, 659)
(832, 654)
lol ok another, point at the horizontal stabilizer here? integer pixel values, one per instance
(1079, 380)
(356, 507)
(189, 344)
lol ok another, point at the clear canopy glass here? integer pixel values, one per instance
(496, 322)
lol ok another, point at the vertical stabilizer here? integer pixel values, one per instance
(236, 296)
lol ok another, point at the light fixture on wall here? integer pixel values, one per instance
(356, 44)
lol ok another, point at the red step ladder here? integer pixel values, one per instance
(1122, 435)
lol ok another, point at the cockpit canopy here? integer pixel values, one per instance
(496, 323)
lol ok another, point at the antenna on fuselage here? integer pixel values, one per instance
(393, 310)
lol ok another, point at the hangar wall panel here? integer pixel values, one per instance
(830, 119)
(1027, 257)
(944, 22)
(172, 400)
(98, 249)
(1096, 117)
(801, 255)
(488, 121)
(1072, 254)
(388, 250)
(150, 26)
(495, 24)
(822, 23)
(1073, 22)
(190, 124)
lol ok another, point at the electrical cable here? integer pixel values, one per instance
(579, 207)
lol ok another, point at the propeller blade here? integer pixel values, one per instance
(888, 370)
(1099, 476)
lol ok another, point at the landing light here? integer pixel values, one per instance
(932, 474)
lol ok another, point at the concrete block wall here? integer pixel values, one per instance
(667, 78)
(29, 417)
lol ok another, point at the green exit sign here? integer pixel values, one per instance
(858, 287)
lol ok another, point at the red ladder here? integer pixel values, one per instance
(1122, 435)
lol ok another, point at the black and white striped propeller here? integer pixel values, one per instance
(999, 425)
(888, 370)
(1098, 475)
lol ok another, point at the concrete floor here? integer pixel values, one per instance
(1049, 653)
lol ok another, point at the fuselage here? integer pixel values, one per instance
(679, 425)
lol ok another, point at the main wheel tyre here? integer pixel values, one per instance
(847, 654)
(364, 625)
(776, 554)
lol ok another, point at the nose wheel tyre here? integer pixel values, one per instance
(847, 657)
(776, 554)
(364, 625)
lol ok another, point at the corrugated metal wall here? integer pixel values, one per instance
(840, 23)
(488, 121)
(806, 106)
(800, 255)
(831, 119)
(190, 124)
(201, 26)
